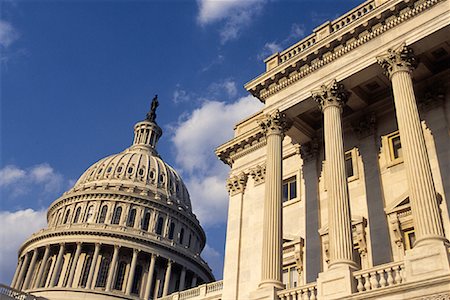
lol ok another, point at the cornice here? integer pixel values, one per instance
(321, 53)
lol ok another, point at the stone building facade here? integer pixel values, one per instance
(126, 230)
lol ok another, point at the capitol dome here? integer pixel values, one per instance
(126, 230)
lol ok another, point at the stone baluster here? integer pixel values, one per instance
(23, 269)
(74, 264)
(30, 272)
(112, 268)
(151, 273)
(57, 267)
(132, 271)
(274, 126)
(93, 265)
(331, 99)
(42, 267)
(167, 278)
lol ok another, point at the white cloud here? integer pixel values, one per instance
(297, 32)
(180, 95)
(8, 34)
(269, 49)
(11, 174)
(235, 14)
(195, 139)
(228, 86)
(15, 228)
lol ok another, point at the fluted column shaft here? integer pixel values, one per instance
(42, 268)
(399, 64)
(167, 278)
(274, 126)
(22, 271)
(16, 274)
(74, 265)
(182, 279)
(132, 271)
(112, 268)
(331, 99)
(151, 271)
(57, 267)
(30, 271)
(92, 267)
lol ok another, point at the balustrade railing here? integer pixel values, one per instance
(212, 289)
(380, 277)
(6, 291)
(304, 292)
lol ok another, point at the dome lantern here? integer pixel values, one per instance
(147, 132)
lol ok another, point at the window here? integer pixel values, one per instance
(290, 189)
(131, 217)
(137, 280)
(66, 217)
(85, 271)
(116, 216)
(395, 146)
(171, 230)
(90, 213)
(290, 276)
(181, 237)
(77, 215)
(103, 213)
(410, 238)
(189, 240)
(103, 271)
(146, 221)
(120, 276)
(159, 225)
(349, 164)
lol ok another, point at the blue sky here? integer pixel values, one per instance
(77, 75)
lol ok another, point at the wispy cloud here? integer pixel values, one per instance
(233, 14)
(15, 228)
(8, 34)
(180, 95)
(225, 87)
(297, 32)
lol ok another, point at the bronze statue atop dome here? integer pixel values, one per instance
(151, 115)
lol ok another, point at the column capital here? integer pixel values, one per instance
(275, 123)
(309, 150)
(258, 174)
(401, 58)
(236, 184)
(333, 94)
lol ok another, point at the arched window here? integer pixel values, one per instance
(66, 217)
(58, 219)
(85, 271)
(103, 271)
(117, 214)
(146, 221)
(120, 276)
(189, 240)
(90, 214)
(135, 288)
(171, 230)
(159, 225)
(181, 237)
(77, 215)
(103, 213)
(131, 217)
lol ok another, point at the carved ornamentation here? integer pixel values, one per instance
(333, 94)
(258, 174)
(309, 150)
(365, 126)
(445, 296)
(275, 123)
(236, 184)
(399, 59)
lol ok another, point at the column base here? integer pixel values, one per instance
(427, 260)
(265, 293)
(336, 282)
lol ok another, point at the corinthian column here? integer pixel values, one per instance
(167, 278)
(151, 271)
(74, 264)
(112, 268)
(23, 269)
(398, 64)
(30, 272)
(274, 127)
(93, 266)
(132, 271)
(42, 267)
(57, 268)
(331, 99)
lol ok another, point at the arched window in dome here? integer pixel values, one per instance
(136, 286)
(131, 217)
(117, 214)
(181, 236)
(118, 284)
(77, 214)
(146, 221)
(159, 225)
(103, 212)
(90, 214)
(58, 218)
(171, 230)
(66, 217)
(103, 271)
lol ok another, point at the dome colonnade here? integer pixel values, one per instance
(126, 229)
